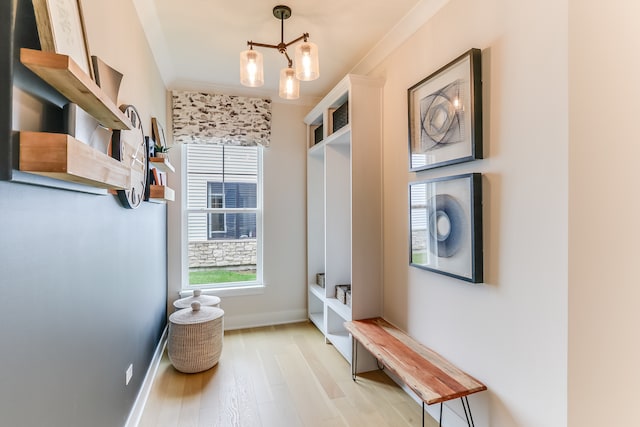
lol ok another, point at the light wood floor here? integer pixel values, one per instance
(278, 376)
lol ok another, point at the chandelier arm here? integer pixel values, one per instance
(302, 37)
(272, 46)
(288, 59)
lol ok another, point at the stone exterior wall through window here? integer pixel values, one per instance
(223, 253)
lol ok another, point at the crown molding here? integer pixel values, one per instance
(422, 12)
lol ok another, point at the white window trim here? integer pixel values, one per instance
(230, 289)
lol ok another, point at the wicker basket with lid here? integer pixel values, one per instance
(204, 300)
(195, 338)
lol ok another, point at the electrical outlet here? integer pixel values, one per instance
(128, 374)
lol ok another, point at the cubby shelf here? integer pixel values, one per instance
(63, 74)
(63, 157)
(341, 341)
(344, 217)
(339, 308)
(317, 319)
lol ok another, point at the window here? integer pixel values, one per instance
(223, 215)
(215, 200)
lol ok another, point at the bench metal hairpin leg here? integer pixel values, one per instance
(354, 358)
(465, 406)
(423, 411)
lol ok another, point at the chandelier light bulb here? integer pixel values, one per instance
(289, 84)
(252, 70)
(307, 63)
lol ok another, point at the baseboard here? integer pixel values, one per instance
(264, 319)
(141, 400)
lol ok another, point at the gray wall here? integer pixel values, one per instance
(83, 286)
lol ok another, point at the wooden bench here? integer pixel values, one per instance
(431, 377)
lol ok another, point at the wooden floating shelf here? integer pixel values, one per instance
(161, 163)
(63, 157)
(161, 193)
(61, 72)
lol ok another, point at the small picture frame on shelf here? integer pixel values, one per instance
(61, 30)
(446, 226)
(107, 77)
(445, 115)
(157, 133)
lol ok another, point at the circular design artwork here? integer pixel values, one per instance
(441, 117)
(446, 223)
(438, 118)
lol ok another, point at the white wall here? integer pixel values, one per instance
(116, 36)
(284, 222)
(510, 332)
(604, 208)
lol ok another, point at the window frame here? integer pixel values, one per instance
(228, 288)
(210, 232)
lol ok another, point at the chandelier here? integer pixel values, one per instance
(307, 67)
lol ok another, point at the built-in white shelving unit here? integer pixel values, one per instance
(344, 206)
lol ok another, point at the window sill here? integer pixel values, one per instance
(228, 291)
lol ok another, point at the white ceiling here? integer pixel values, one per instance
(197, 43)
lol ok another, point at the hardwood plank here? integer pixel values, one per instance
(169, 415)
(330, 386)
(279, 411)
(424, 371)
(308, 396)
(229, 398)
(191, 396)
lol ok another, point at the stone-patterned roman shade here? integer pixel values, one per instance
(203, 118)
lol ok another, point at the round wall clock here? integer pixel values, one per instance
(130, 147)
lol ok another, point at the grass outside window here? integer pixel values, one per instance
(204, 277)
